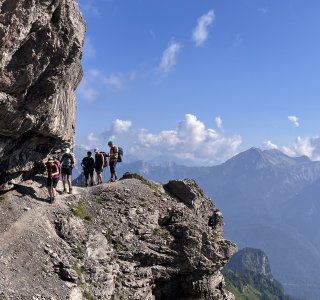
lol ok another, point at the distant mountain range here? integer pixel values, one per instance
(269, 201)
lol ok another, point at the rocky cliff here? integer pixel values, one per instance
(40, 51)
(132, 239)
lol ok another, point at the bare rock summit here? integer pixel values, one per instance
(133, 239)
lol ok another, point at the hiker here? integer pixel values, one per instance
(53, 171)
(67, 163)
(113, 155)
(98, 164)
(88, 167)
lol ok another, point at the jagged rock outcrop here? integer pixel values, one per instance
(132, 239)
(40, 50)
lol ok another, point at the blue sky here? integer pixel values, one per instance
(197, 81)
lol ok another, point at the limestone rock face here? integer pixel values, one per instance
(132, 239)
(138, 240)
(40, 50)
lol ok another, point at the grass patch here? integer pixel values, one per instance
(80, 211)
(79, 270)
(87, 295)
(150, 184)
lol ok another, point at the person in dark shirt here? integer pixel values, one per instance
(98, 165)
(88, 168)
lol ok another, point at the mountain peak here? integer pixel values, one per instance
(257, 158)
(251, 259)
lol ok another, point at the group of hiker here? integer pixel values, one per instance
(89, 164)
(100, 161)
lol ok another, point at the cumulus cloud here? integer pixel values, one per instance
(218, 121)
(201, 31)
(294, 120)
(191, 139)
(189, 143)
(119, 126)
(169, 56)
(304, 146)
(268, 145)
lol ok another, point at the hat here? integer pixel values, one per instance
(96, 150)
(50, 159)
(110, 143)
(68, 150)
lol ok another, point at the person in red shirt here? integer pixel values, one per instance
(53, 171)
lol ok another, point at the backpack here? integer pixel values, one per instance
(66, 161)
(120, 154)
(104, 154)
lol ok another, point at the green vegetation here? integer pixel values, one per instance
(150, 184)
(87, 295)
(79, 270)
(248, 285)
(80, 211)
(248, 276)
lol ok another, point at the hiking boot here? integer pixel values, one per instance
(70, 191)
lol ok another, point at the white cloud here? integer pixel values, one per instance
(294, 120)
(119, 126)
(304, 146)
(169, 57)
(190, 143)
(115, 82)
(201, 31)
(191, 139)
(92, 138)
(218, 121)
(268, 145)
